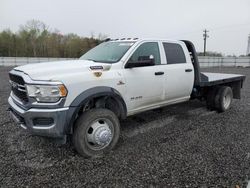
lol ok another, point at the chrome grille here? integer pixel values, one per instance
(18, 87)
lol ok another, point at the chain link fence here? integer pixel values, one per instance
(207, 61)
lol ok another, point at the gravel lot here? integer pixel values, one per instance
(183, 145)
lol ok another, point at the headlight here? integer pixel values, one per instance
(47, 93)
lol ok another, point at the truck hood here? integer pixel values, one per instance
(52, 70)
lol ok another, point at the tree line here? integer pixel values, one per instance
(34, 39)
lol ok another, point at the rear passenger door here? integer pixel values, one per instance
(179, 72)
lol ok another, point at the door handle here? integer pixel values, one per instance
(188, 70)
(159, 73)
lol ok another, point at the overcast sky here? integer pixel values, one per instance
(227, 20)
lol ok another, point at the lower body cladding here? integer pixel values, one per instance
(43, 122)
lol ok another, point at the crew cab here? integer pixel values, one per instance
(86, 98)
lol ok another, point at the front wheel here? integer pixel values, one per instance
(97, 132)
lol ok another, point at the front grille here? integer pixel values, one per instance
(18, 87)
(17, 79)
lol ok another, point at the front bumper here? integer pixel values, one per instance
(43, 122)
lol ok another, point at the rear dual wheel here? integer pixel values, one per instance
(220, 98)
(223, 99)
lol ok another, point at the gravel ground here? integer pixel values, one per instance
(182, 145)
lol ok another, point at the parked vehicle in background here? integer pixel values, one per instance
(85, 98)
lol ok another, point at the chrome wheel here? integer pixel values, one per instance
(99, 134)
(227, 101)
(96, 132)
(223, 98)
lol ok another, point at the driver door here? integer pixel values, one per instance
(144, 84)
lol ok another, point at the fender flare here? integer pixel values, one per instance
(88, 94)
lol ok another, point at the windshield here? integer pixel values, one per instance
(107, 52)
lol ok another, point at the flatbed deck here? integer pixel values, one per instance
(211, 79)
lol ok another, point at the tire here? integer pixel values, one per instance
(223, 98)
(96, 132)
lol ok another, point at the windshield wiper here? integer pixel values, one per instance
(92, 60)
(109, 62)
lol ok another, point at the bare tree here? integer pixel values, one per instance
(34, 29)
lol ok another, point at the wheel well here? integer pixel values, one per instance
(97, 97)
(107, 102)
(111, 102)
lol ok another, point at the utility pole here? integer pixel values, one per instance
(248, 46)
(205, 36)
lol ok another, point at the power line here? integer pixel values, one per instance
(205, 36)
(230, 26)
(216, 28)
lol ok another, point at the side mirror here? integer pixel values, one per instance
(143, 61)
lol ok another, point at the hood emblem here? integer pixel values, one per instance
(96, 67)
(97, 74)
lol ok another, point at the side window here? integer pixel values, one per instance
(174, 53)
(146, 51)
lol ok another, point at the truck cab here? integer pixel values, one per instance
(85, 98)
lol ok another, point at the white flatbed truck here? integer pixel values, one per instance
(85, 98)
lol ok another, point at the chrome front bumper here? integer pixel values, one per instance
(36, 120)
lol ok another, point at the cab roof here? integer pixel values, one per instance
(140, 39)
